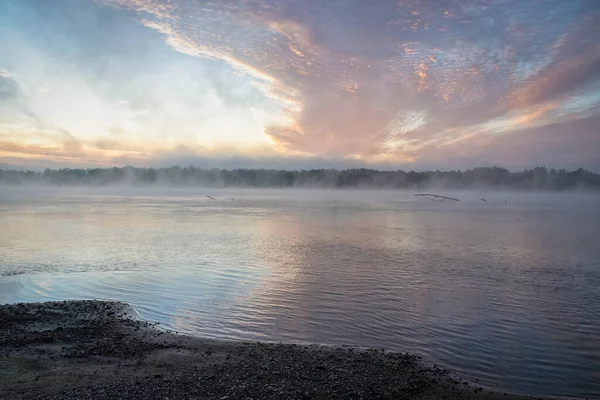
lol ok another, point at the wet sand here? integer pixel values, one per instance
(98, 350)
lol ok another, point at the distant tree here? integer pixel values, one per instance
(538, 178)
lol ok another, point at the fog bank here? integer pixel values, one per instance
(536, 179)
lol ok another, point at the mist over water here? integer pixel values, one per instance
(482, 178)
(504, 291)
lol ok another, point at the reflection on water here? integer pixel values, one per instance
(506, 293)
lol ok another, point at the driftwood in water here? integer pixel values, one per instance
(437, 196)
(210, 197)
(482, 199)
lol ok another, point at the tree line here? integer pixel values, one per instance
(538, 178)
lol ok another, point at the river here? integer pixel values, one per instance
(505, 292)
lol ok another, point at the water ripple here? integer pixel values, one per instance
(504, 294)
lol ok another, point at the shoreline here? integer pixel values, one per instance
(100, 350)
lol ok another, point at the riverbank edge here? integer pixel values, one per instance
(93, 349)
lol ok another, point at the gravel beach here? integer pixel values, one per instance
(98, 350)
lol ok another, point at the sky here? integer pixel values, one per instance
(412, 84)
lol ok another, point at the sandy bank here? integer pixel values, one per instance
(95, 350)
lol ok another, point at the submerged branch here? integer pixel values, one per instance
(437, 196)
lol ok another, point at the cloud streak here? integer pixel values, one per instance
(457, 65)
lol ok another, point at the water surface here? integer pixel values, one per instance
(505, 293)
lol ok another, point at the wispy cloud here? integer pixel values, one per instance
(5, 74)
(441, 63)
